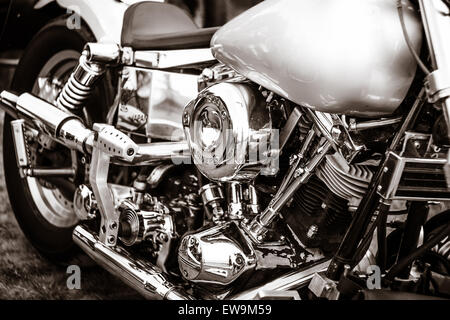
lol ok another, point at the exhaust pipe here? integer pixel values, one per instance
(142, 276)
(60, 125)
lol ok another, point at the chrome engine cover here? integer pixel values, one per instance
(218, 255)
(223, 253)
(229, 131)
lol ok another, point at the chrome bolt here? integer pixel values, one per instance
(192, 242)
(292, 159)
(239, 260)
(312, 231)
(347, 270)
(298, 172)
(111, 239)
(163, 237)
(130, 152)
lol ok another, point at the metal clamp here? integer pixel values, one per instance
(437, 86)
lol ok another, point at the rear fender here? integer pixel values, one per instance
(104, 17)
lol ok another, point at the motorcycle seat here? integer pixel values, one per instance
(162, 26)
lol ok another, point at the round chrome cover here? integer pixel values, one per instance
(228, 128)
(218, 255)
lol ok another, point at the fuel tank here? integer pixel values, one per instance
(335, 56)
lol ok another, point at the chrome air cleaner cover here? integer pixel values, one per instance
(228, 128)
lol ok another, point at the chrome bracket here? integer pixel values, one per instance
(20, 146)
(437, 86)
(169, 58)
(335, 131)
(323, 287)
(109, 143)
(414, 179)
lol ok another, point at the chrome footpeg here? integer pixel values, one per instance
(114, 143)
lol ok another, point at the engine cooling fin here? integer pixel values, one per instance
(317, 215)
(344, 180)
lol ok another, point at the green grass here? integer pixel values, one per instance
(24, 274)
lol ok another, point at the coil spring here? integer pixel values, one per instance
(74, 95)
(78, 89)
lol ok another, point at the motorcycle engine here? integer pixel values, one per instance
(231, 135)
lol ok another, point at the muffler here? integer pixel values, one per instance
(58, 124)
(142, 276)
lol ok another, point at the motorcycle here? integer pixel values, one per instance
(301, 151)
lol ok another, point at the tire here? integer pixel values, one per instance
(52, 241)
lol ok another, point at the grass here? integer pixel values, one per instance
(24, 274)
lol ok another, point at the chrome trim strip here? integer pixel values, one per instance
(290, 281)
(142, 276)
(171, 58)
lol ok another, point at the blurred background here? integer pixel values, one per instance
(24, 274)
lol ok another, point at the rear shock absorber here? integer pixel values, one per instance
(80, 85)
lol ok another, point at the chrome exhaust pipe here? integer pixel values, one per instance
(142, 276)
(8, 103)
(69, 130)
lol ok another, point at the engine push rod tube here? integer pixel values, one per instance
(258, 227)
(142, 276)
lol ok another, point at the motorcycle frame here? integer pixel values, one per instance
(176, 60)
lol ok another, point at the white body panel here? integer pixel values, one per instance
(104, 17)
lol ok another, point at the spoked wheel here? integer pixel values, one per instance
(55, 205)
(43, 206)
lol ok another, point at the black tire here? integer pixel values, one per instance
(53, 242)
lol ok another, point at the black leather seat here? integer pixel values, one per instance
(161, 26)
